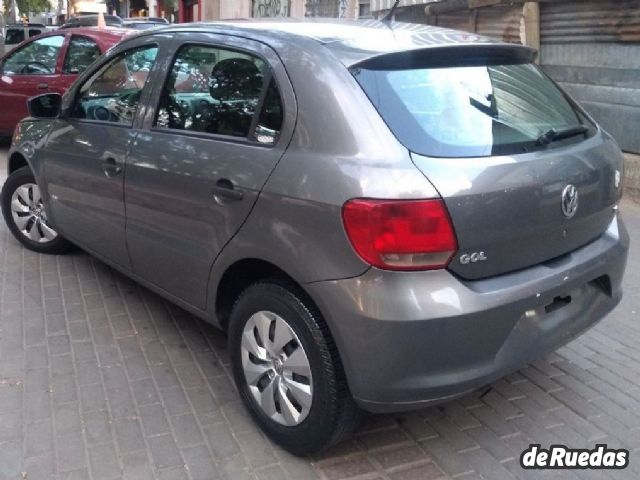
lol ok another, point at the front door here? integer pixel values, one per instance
(199, 164)
(32, 69)
(86, 153)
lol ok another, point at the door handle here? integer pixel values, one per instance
(43, 86)
(111, 167)
(224, 188)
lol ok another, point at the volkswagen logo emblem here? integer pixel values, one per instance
(569, 201)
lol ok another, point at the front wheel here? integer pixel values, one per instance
(24, 212)
(287, 369)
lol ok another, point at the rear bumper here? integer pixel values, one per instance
(409, 339)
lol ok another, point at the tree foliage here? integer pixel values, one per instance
(33, 6)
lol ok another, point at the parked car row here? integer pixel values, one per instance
(48, 63)
(15, 34)
(380, 217)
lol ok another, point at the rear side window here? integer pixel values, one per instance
(81, 53)
(470, 111)
(218, 91)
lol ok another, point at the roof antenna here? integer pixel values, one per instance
(389, 16)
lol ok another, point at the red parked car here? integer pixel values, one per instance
(48, 63)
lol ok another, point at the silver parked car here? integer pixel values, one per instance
(382, 216)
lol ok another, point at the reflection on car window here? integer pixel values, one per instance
(112, 94)
(270, 120)
(469, 111)
(81, 53)
(36, 58)
(214, 90)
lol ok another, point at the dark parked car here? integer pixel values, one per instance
(382, 217)
(48, 63)
(92, 21)
(144, 23)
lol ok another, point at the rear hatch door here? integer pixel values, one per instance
(525, 173)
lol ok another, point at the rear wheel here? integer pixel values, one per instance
(24, 212)
(287, 369)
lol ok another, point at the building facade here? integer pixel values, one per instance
(202, 10)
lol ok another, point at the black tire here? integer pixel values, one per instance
(18, 178)
(333, 415)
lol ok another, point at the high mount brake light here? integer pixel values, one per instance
(400, 234)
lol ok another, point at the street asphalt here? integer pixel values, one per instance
(101, 379)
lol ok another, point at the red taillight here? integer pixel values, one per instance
(400, 234)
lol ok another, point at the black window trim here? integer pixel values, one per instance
(250, 138)
(70, 118)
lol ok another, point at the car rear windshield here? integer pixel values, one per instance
(473, 111)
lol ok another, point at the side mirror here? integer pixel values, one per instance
(45, 106)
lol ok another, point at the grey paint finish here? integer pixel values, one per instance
(454, 334)
(86, 204)
(458, 336)
(507, 207)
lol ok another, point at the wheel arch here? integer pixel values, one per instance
(16, 161)
(240, 275)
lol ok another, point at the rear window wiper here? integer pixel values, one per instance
(561, 134)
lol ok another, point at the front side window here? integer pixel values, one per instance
(81, 53)
(472, 111)
(37, 58)
(113, 93)
(215, 90)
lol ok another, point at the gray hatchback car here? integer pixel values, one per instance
(381, 216)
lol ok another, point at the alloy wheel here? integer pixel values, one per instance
(276, 368)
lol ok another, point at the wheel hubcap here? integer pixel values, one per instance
(276, 368)
(27, 210)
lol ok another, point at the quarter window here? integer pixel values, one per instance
(37, 58)
(113, 93)
(81, 53)
(215, 90)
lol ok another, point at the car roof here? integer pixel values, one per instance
(110, 35)
(352, 41)
(92, 32)
(28, 25)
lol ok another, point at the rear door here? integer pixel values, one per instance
(525, 175)
(219, 123)
(32, 69)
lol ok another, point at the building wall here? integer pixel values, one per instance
(224, 9)
(592, 49)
